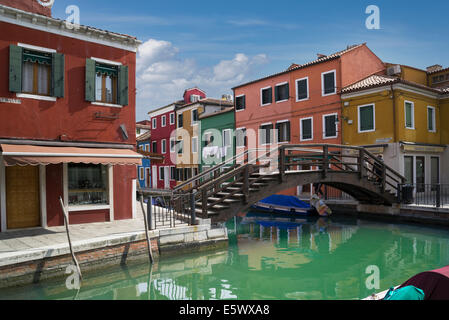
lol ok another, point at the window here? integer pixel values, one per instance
(329, 83)
(283, 131)
(141, 173)
(434, 170)
(195, 145)
(409, 115)
(266, 96)
(172, 118)
(240, 103)
(180, 120)
(147, 147)
(106, 77)
(420, 174)
(180, 146)
(330, 126)
(306, 129)
(154, 146)
(37, 72)
(367, 118)
(227, 138)
(163, 121)
(408, 169)
(195, 98)
(431, 120)
(241, 138)
(164, 146)
(282, 92)
(88, 184)
(172, 173)
(154, 125)
(161, 173)
(194, 116)
(302, 89)
(208, 139)
(265, 134)
(172, 145)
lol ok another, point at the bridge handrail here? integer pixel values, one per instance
(219, 166)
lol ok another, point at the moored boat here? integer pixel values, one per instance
(284, 205)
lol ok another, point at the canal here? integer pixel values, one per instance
(282, 259)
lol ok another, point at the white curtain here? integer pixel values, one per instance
(27, 77)
(98, 87)
(109, 89)
(42, 79)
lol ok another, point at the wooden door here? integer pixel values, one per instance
(22, 197)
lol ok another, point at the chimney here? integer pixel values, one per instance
(434, 68)
(42, 7)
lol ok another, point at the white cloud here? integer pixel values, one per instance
(162, 76)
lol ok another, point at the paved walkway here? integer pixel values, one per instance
(41, 241)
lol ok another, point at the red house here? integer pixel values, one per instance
(163, 124)
(67, 120)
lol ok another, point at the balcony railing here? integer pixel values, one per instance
(426, 195)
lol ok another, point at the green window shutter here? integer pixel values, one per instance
(408, 115)
(90, 80)
(15, 68)
(430, 117)
(366, 118)
(288, 131)
(123, 85)
(58, 72)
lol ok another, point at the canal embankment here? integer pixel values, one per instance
(396, 213)
(31, 256)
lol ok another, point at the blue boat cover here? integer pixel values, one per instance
(286, 201)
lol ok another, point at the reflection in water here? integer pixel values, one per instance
(270, 259)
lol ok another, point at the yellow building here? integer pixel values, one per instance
(403, 118)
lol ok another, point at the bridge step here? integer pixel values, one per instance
(236, 195)
(229, 200)
(217, 206)
(209, 212)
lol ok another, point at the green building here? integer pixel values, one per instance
(217, 137)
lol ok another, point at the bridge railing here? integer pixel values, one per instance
(339, 158)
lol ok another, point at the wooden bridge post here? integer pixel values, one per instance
(281, 164)
(361, 160)
(384, 177)
(245, 184)
(325, 160)
(204, 203)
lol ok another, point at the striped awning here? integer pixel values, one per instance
(24, 155)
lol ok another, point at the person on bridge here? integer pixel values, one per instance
(378, 168)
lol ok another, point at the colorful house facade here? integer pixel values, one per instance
(301, 105)
(67, 121)
(218, 142)
(400, 114)
(163, 127)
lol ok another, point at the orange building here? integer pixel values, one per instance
(302, 104)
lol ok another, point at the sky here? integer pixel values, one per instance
(216, 45)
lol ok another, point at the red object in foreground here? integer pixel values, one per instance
(435, 284)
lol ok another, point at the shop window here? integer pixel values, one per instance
(88, 184)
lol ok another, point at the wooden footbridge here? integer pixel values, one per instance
(235, 185)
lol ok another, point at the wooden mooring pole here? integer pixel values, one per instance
(66, 220)
(150, 252)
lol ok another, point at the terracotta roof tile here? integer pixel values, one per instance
(371, 81)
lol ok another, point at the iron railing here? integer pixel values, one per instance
(427, 195)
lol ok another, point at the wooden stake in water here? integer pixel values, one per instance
(146, 230)
(66, 220)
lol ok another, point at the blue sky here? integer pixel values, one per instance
(218, 44)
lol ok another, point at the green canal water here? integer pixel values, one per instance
(271, 260)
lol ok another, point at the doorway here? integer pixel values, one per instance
(22, 197)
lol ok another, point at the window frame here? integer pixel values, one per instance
(223, 135)
(261, 96)
(359, 118)
(288, 92)
(265, 133)
(244, 105)
(297, 92)
(153, 149)
(195, 144)
(324, 126)
(163, 121)
(172, 145)
(141, 173)
(434, 119)
(323, 88)
(301, 133)
(172, 122)
(282, 122)
(154, 123)
(164, 146)
(245, 140)
(193, 121)
(413, 114)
